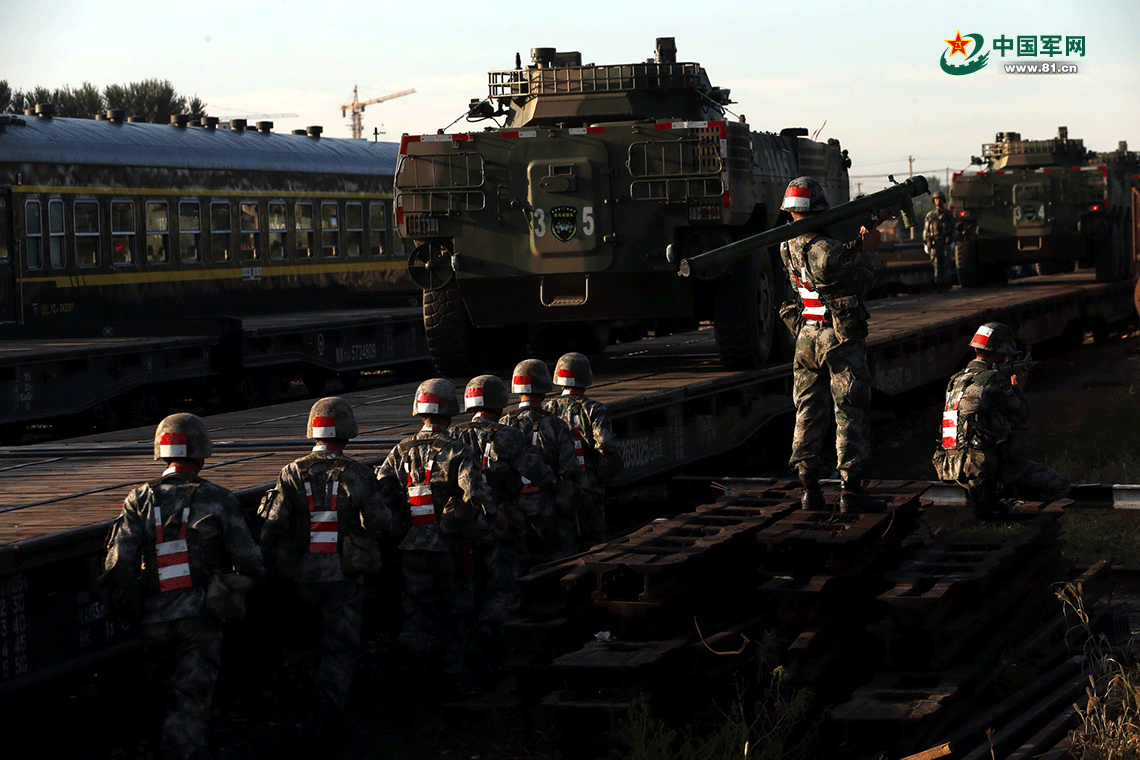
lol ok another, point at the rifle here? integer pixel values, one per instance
(1016, 365)
(845, 220)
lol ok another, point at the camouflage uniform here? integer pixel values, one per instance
(830, 367)
(182, 638)
(937, 234)
(589, 423)
(316, 561)
(506, 457)
(982, 406)
(438, 547)
(551, 529)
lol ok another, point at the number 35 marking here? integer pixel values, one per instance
(587, 221)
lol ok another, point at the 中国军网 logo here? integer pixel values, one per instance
(970, 48)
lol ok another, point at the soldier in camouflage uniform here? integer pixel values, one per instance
(550, 512)
(983, 403)
(830, 372)
(506, 457)
(321, 524)
(441, 502)
(170, 557)
(937, 235)
(594, 444)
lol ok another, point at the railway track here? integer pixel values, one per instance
(672, 407)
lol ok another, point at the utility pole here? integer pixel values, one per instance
(910, 161)
(357, 107)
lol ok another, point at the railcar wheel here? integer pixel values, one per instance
(350, 379)
(449, 332)
(744, 313)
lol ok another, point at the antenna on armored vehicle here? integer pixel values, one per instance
(357, 107)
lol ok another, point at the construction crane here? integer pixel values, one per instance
(357, 108)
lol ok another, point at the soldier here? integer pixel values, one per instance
(444, 507)
(170, 558)
(594, 444)
(830, 368)
(506, 457)
(322, 521)
(983, 403)
(551, 529)
(937, 234)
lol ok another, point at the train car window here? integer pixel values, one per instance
(249, 213)
(277, 227)
(220, 231)
(190, 231)
(377, 228)
(86, 233)
(55, 234)
(33, 235)
(303, 225)
(157, 233)
(353, 229)
(122, 232)
(330, 227)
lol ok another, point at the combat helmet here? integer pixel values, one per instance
(436, 396)
(995, 336)
(573, 371)
(531, 376)
(182, 436)
(331, 419)
(486, 392)
(939, 196)
(805, 195)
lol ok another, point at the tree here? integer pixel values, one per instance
(154, 99)
(84, 102)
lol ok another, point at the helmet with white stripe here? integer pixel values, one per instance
(573, 371)
(531, 376)
(995, 336)
(486, 392)
(182, 436)
(805, 195)
(436, 396)
(331, 419)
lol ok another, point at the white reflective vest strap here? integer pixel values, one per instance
(173, 556)
(420, 501)
(486, 456)
(579, 450)
(323, 527)
(950, 423)
(814, 309)
(527, 486)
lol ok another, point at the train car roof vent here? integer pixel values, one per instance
(44, 110)
(210, 123)
(314, 131)
(10, 118)
(100, 117)
(179, 120)
(298, 131)
(238, 125)
(264, 127)
(137, 119)
(116, 115)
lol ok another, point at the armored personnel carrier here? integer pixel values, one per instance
(569, 220)
(1034, 202)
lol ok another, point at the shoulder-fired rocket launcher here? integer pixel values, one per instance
(894, 200)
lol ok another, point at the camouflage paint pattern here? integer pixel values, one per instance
(937, 234)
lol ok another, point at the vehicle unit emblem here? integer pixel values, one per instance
(564, 222)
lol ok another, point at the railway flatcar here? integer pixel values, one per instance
(116, 219)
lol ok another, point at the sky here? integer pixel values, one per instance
(867, 74)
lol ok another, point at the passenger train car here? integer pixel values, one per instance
(111, 219)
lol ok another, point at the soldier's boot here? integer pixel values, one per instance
(853, 498)
(813, 495)
(983, 500)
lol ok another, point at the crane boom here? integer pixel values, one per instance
(357, 107)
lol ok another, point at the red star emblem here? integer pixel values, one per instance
(958, 45)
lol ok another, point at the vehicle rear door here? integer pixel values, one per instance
(7, 258)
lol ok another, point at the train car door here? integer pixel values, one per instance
(7, 259)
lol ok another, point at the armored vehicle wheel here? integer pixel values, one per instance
(744, 313)
(1050, 266)
(966, 262)
(1112, 260)
(448, 331)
